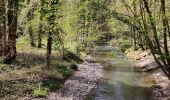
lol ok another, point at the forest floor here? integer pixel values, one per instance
(144, 62)
(80, 86)
(28, 76)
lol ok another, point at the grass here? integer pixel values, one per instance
(21, 78)
(40, 91)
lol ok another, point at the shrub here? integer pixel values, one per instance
(125, 45)
(67, 73)
(52, 84)
(61, 66)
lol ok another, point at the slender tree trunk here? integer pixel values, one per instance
(134, 38)
(2, 26)
(153, 26)
(164, 64)
(148, 40)
(140, 41)
(49, 49)
(12, 29)
(134, 21)
(165, 30)
(40, 27)
(51, 22)
(8, 37)
(40, 36)
(164, 27)
(30, 30)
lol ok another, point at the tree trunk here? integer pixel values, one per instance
(2, 27)
(40, 36)
(51, 22)
(165, 30)
(49, 49)
(30, 30)
(153, 26)
(164, 65)
(134, 38)
(148, 40)
(8, 37)
(40, 27)
(12, 28)
(31, 36)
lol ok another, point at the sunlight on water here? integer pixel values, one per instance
(120, 81)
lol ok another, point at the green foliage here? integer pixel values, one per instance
(40, 91)
(61, 66)
(67, 21)
(67, 73)
(53, 84)
(125, 45)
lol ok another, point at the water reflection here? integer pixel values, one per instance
(120, 81)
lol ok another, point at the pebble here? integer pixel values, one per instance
(80, 85)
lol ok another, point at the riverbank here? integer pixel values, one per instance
(80, 85)
(144, 62)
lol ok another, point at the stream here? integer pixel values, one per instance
(120, 81)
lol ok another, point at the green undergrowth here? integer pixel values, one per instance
(40, 91)
(124, 44)
(23, 77)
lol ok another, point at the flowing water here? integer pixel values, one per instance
(120, 81)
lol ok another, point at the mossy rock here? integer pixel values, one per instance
(69, 56)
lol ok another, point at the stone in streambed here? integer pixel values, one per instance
(146, 65)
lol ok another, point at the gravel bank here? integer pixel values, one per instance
(80, 85)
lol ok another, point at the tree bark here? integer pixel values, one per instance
(49, 49)
(8, 37)
(40, 36)
(40, 27)
(153, 26)
(12, 29)
(51, 22)
(165, 30)
(2, 26)
(30, 30)
(148, 40)
(164, 63)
